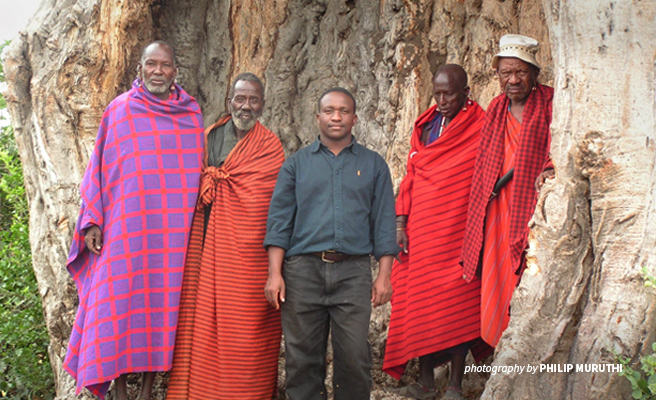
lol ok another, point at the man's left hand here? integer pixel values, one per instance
(546, 174)
(381, 290)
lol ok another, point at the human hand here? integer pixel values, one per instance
(402, 239)
(274, 290)
(546, 174)
(93, 239)
(381, 290)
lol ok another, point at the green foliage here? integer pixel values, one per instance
(24, 368)
(643, 383)
(643, 386)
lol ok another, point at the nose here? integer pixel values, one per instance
(514, 79)
(336, 116)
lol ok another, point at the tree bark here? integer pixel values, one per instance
(75, 56)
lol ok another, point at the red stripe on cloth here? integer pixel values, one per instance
(498, 274)
(433, 308)
(228, 335)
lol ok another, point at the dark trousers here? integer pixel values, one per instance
(322, 296)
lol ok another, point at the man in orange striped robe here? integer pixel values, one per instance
(516, 137)
(435, 313)
(228, 337)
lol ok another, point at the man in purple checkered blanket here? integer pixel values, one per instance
(127, 256)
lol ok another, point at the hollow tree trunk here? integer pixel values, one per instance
(75, 56)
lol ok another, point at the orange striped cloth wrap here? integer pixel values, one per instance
(228, 337)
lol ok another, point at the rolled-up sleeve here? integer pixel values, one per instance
(282, 210)
(383, 214)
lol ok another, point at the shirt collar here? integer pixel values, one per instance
(354, 146)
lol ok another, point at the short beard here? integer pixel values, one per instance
(157, 89)
(244, 126)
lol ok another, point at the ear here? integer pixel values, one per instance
(467, 91)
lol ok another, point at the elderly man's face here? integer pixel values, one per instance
(450, 94)
(157, 70)
(516, 78)
(246, 105)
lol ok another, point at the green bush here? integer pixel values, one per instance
(643, 386)
(25, 372)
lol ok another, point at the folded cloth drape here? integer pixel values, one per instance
(140, 188)
(229, 336)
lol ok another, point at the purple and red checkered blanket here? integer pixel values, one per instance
(140, 188)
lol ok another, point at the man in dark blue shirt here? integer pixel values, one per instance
(332, 207)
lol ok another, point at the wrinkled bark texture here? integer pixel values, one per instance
(591, 233)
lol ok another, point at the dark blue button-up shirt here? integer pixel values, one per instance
(326, 202)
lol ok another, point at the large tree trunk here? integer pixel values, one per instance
(75, 56)
(594, 227)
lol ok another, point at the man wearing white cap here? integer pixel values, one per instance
(512, 162)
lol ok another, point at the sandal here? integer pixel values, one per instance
(414, 391)
(452, 393)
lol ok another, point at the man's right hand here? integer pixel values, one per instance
(274, 290)
(93, 239)
(402, 239)
(401, 234)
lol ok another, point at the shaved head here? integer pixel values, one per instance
(157, 43)
(450, 90)
(456, 74)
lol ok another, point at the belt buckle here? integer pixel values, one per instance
(323, 256)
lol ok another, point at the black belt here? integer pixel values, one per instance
(331, 257)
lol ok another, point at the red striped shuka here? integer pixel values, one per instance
(497, 230)
(228, 338)
(433, 308)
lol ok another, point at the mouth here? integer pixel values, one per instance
(245, 115)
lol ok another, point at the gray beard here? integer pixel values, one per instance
(244, 125)
(156, 89)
